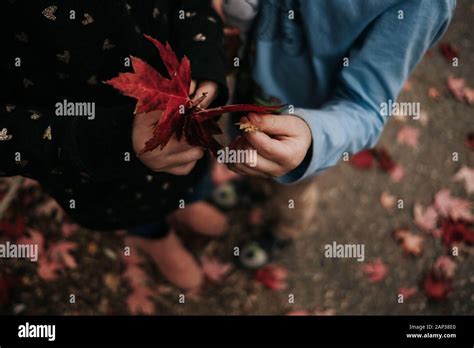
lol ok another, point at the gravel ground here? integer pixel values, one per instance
(349, 211)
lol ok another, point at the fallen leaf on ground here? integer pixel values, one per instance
(213, 269)
(397, 173)
(409, 136)
(436, 288)
(363, 159)
(466, 175)
(456, 232)
(272, 276)
(444, 267)
(408, 292)
(376, 270)
(470, 141)
(410, 243)
(448, 51)
(426, 219)
(387, 200)
(453, 207)
(434, 93)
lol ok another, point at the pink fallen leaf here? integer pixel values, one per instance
(272, 276)
(407, 292)
(445, 267)
(387, 200)
(410, 243)
(469, 95)
(459, 89)
(466, 175)
(409, 136)
(397, 173)
(60, 252)
(426, 219)
(449, 206)
(423, 119)
(376, 270)
(213, 269)
(33, 237)
(47, 270)
(434, 93)
(456, 86)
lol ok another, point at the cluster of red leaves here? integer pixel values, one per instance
(53, 259)
(448, 217)
(437, 283)
(366, 159)
(181, 116)
(272, 276)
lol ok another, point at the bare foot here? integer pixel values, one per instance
(172, 259)
(201, 217)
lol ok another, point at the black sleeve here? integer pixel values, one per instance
(197, 32)
(34, 141)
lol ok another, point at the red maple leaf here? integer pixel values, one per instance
(363, 159)
(272, 276)
(436, 288)
(181, 116)
(376, 270)
(456, 232)
(448, 51)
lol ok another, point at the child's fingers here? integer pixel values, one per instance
(265, 145)
(208, 88)
(192, 87)
(242, 169)
(254, 161)
(275, 124)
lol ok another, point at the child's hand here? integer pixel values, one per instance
(177, 158)
(209, 87)
(281, 144)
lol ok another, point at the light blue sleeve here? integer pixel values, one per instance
(378, 66)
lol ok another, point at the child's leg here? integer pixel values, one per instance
(170, 256)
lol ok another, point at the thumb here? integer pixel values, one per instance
(274, 124)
